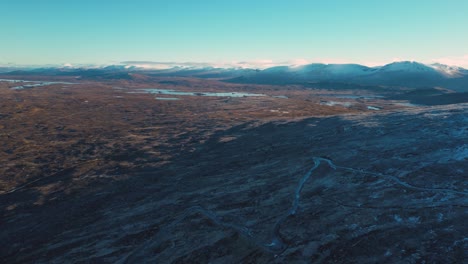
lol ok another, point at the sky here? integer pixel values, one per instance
(263, 32)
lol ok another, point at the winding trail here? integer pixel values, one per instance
(276, 244)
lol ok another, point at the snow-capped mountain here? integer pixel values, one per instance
(405, 73)
(322, 70)
(406, 66)
(450, 71)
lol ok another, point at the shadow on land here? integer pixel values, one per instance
(248, 175)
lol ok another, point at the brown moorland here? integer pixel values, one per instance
(102, 171)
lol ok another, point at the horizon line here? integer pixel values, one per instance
(254, 64)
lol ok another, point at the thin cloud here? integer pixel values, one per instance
(460, 61)
(257, 64)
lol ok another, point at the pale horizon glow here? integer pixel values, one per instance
(255, 64)
(263, 64)
(243, 33)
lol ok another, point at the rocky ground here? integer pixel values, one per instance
(93, 172)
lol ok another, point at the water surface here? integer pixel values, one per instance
(220, 94)
(31, 84)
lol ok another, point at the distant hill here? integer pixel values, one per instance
(432, 96)
(402, 74)
(406, 74)
(91, 74)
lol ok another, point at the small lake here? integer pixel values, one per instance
(220, 94)
(167, 98)
(335, 103)
(31, 84)
(352, 96)
(369, 107)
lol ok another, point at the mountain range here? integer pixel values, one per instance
(406, 74)
(401, 74)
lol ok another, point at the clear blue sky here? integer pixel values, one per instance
(110, 31)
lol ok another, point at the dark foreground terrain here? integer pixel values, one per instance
(102, 172)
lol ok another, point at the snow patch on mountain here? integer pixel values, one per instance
(449, 71)
(406, 66)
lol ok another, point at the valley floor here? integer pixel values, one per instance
(93, 173)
